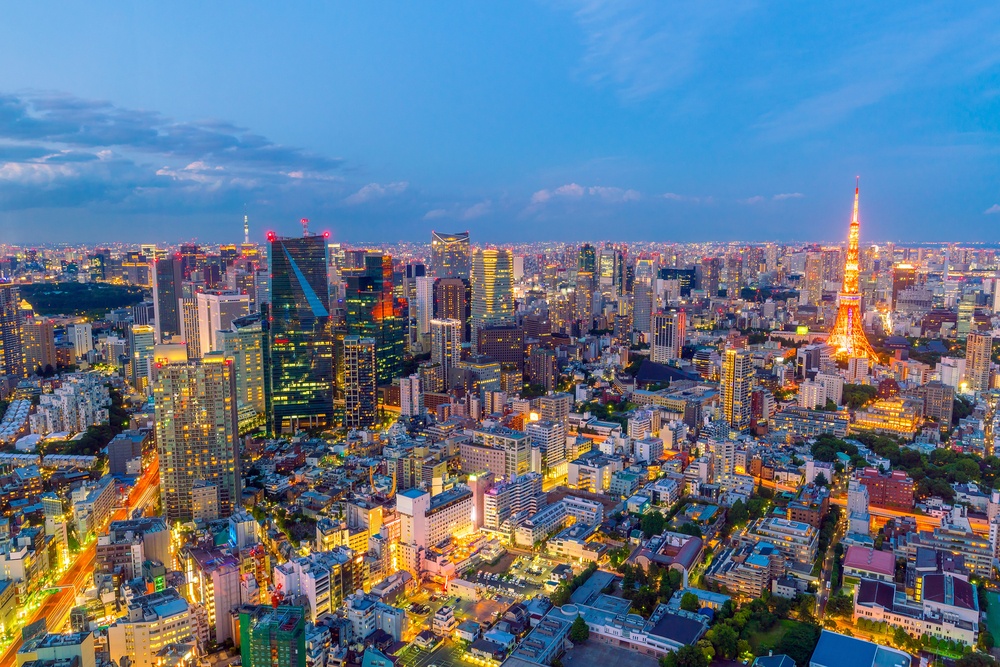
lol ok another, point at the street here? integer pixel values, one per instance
(79, 576)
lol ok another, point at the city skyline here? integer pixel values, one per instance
(656, 123)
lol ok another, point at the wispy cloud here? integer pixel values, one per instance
(992, 210)
(374, 191)
(919, 47)
(787, 195)
(673, 196)
(576, 191)
(435, 214)
(477, 210)
(641, 47)
(756, 199)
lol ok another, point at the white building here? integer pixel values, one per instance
(216, 312)
(82, 401)
(151, 623)
(411, 399)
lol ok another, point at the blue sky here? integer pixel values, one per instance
(519, 121)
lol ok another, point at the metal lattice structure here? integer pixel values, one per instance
(848, 334)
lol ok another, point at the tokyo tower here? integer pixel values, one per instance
(848, 336)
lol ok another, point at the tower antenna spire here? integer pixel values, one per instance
(305, 226)
(246, 226)
(848, 334)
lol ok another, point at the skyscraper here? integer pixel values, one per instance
(669, 330)
(298, 344)
(372, 312)
(216, 312)
(451, 255)
(451, 301)
(11, 355)
(737, 376)
(978, 350)
(360, 389)
(812, 282)
(710, 270)
(196, 433)
(168, 274)
(446, 346)
(142, 339)
(243, 343)
(492, 291)
(848, 335)
(587, 259)
(411, 398)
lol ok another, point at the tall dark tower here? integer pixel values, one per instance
(298, 352)
(168, 274)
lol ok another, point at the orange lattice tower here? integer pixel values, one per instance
(848, 335)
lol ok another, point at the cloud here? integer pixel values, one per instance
(787, 195)
(756, 199)
(992, 209)
(435, 214)
(477, 210)
(641, 47)
(374, 191)
(673, 196)
(63, 151)
(921, 47)
(572, 191)
(614, 194)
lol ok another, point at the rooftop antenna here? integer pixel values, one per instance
(305, 226)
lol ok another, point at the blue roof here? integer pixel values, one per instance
(835, 650)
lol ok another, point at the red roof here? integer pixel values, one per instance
(864, 558)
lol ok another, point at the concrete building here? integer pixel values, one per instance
(150, 624)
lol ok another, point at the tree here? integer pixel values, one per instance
(976, 660)
(985, 641)
(738, 513)
(742, 647)
(690, 602)
(840, 605)
(579, 632)
(725, 641)
(821, 480)
(799, 643)
(691, 529)
(685, 656)
(652, 524)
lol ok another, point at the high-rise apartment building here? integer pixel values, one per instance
(737, 378)
(446, 346)
(11, 355)
(372, 312)
(83, 338)
(492, 291)
(451, 255)
(39, 344)
(411, 398)
(244, 344)
(168, 274)
(978, 352)
(298, 345)
(669, 330)
(196, 434)
(360, 388)
(812, 282)
(711, 270)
